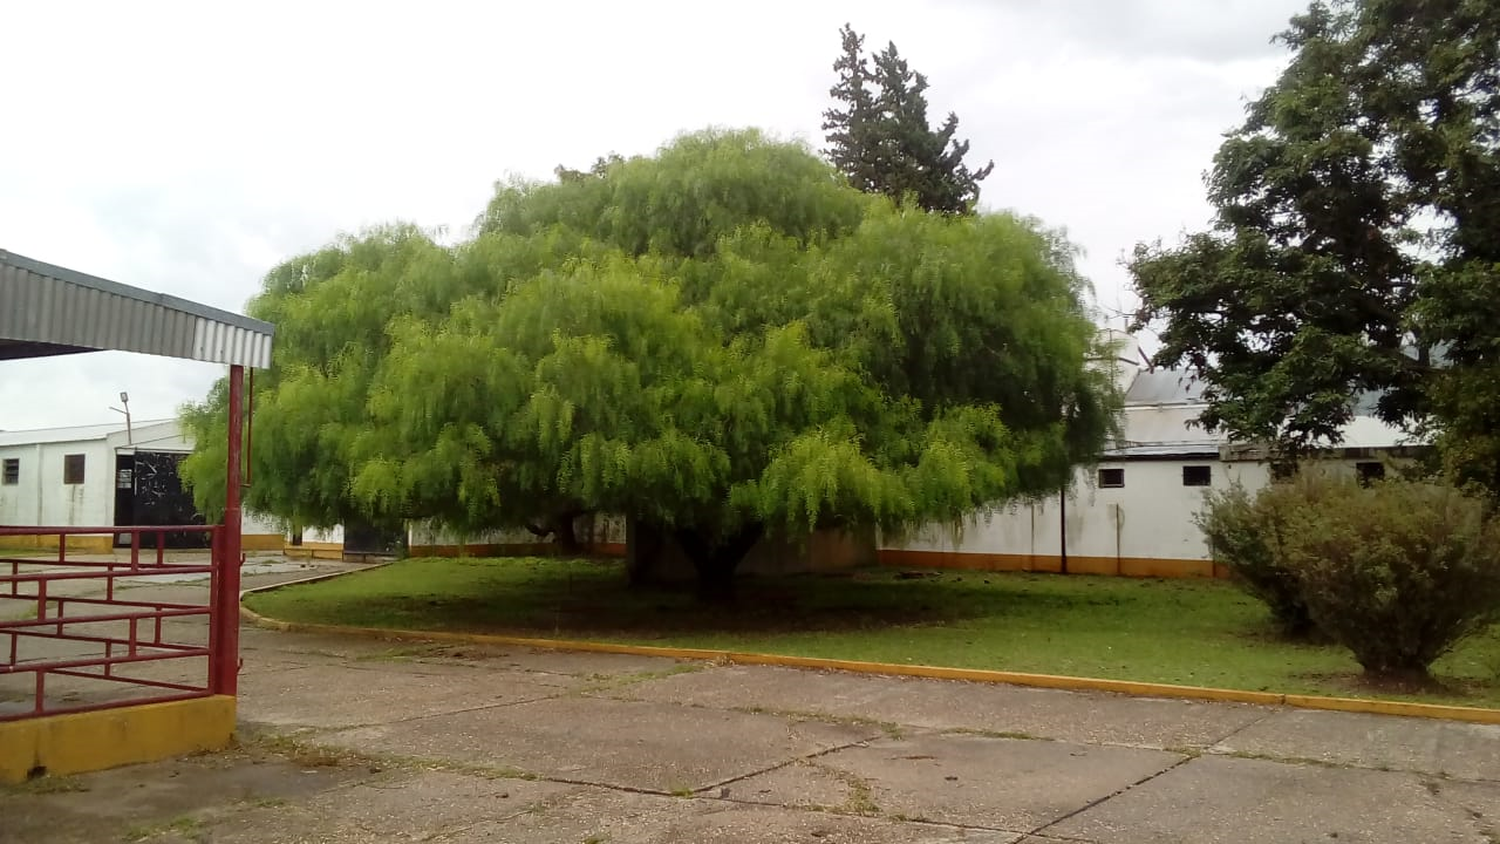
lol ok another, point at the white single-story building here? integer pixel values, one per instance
(1134, 513)
(104, 476)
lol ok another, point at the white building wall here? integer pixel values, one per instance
(90, 503)
(334, 534)
(256, 524)
(1153, 516)
(21, 503)
(1146, 527)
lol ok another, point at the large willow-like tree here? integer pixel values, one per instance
(717, 341)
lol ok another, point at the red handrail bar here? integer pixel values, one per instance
(117, 637)
(75, 530)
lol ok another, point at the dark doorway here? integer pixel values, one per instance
(149, 491)
(363, 538)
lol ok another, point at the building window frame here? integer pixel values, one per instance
(10, 472)
(1112, 477)
(75, 468)
(1198, 474)
(1369, 471)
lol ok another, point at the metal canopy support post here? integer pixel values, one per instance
(226, 618)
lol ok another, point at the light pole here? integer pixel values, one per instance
(125, 400)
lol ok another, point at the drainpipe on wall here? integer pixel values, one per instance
(1119, 529)
(36, 475)
(1062, 500)
(1031, 549)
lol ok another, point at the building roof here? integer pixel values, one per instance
(51, 310)
(73, 433)
(1164, 386)
(1156, 431)
(1161, 406)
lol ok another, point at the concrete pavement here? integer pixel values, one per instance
(351, 740)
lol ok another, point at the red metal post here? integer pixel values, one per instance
(226, 655)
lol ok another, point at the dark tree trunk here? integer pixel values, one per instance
(565, 534)
(560, 528)
(715, 558)
(643, 548)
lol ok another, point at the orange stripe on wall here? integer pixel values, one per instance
(1052, 563)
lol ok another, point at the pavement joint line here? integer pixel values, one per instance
(808, 757)
(697, 794)
(907, 730)
(1133, 688)
(1308, 761)
(422, 717)
(1108, 797)
(893, 817)
(311, 736)
(901, 731)
(1268, 715)
(609, 786)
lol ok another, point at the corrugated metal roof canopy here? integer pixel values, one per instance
(51, 310)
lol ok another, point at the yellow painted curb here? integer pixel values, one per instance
(1470, 714)
(75, 743)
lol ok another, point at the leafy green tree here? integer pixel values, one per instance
(879, 137)
(1353, 247)
(718, 342)
(331, 308)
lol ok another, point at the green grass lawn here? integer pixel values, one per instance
(1202, 633)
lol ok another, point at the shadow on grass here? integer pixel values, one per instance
(589, 597)
(783, 605)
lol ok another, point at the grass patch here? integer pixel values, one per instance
(1192, 632)
(185, 826)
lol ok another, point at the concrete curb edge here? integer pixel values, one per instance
(1475, 715)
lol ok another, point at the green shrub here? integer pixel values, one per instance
(1398, 571)
(1242, 532)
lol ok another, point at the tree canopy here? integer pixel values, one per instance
(879, 137)
(1354, 246)
(719, 340)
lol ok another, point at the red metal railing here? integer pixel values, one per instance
(86, 624)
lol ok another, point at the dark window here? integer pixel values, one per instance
(12, 472)
(1370, 471)
(1112, 478)
(73, 469)
(1197, 475)
(1282, 471)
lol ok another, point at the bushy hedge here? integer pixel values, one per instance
(1243, 532)
(1398, 571)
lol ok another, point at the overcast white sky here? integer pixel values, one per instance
(188, 147)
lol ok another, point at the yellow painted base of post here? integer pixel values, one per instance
(92, 741)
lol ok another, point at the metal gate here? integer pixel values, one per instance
(76, 636)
